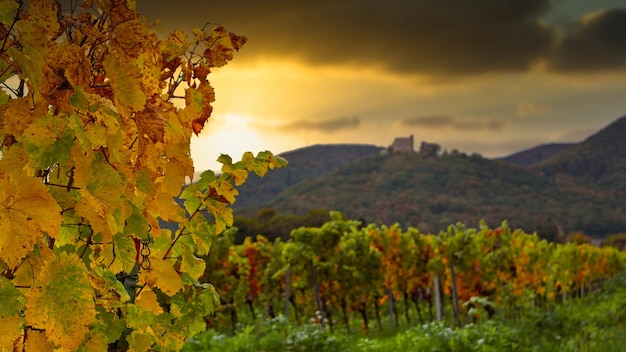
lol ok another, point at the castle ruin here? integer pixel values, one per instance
(401, 145)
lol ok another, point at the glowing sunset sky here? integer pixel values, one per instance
(485, 76)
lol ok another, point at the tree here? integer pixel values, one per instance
(96, 116)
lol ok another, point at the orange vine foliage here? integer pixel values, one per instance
(96, 116)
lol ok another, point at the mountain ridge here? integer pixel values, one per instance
(570, 189)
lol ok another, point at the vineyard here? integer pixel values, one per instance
(96, 116)
(345, 271)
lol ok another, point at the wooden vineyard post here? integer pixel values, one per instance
(437, 293)
(456, 307)
(316, 290)
(287, 293)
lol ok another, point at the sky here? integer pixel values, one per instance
(484, 76)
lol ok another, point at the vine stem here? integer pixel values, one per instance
(182, 230)
(58, 185)
(180, 233)
(17, 15)
(89, 243)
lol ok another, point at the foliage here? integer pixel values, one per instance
(431, 193)
(593, 323)
(348, 273)
(600, 159)
(96, 116)
(273, 225)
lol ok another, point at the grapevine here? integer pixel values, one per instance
(96, 116)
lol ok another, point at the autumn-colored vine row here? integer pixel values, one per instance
(348, 270)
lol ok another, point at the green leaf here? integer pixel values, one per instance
(226, 161)
(191, 264)
(76, 125)
(4, 97)
(109, 325)
(140, 341)
(138, 317)
(203, 235)
(112, 283)
(79, 99)
(7, 12)
(136, 224)
(210, 299)
(206, 178)
(32, 64)
(47, 141)
(125, 252)
(192, 198)
(11, 298)
(56, 153)
(144, 181)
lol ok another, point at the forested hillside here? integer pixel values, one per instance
(304, 163)
(567, 188)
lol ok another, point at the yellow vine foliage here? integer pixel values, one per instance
(96, 116)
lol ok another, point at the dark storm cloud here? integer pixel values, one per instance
(417, 36)
(432, 37)
(597, 42)
(454, 122)
(341, 123)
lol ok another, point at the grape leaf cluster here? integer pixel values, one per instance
(96, 117)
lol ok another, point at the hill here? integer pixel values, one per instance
(565, 188)
(599, 161)
(535, 155)
(304, 163)
(433, 192)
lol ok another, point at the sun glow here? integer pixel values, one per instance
(233, 134)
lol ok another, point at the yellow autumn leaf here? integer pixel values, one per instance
(41, 25)
(178, 171)
(62, 304)
(11, 333)
(221, 46)
(150, 63)
(221, 212)
(161, 274)
(174, 45)
(95, 342)
(27, 211)
(36, 341)
(90, 208)
(16, 116)
(227, 190)
(239, 176)
(130, 37)
(71, 59)
(31, 267)
(125, 79)
(102, 194)
(147, 299)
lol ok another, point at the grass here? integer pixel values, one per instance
(594, 323)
